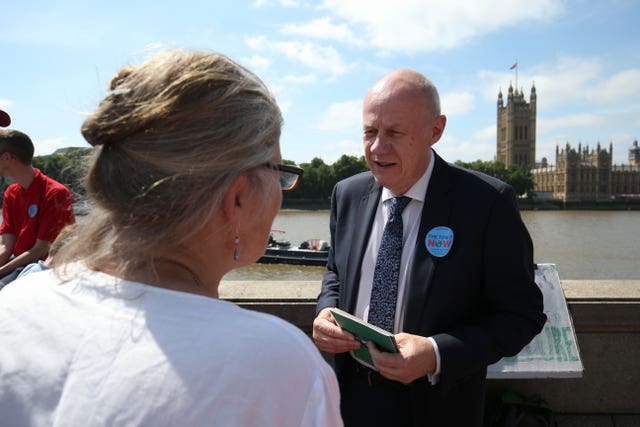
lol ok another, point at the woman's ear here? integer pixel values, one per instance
(235, 198)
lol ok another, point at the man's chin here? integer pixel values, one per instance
(385, 181)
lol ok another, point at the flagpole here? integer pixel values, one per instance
(516, 74)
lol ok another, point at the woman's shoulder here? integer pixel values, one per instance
(268, 329)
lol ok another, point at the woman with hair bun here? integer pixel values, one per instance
(127, 329)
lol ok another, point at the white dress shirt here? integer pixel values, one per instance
(411, 223)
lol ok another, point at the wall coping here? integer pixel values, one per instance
(604, 314)
(601, 290)
(307, 291)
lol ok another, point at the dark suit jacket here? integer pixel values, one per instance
(479, 302)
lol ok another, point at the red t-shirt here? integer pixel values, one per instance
(39, 212)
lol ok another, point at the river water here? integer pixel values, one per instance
(583, 244)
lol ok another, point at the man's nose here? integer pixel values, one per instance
(380, 144)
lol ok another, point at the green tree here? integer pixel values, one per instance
(518, 177)
(317, 182)
(319, 178)
(347, 166)
(67, 169)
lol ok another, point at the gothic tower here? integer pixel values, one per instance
(516, 138)
(634, 154)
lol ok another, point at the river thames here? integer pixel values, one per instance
(596, 245)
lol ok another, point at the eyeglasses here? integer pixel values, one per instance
(290, 175)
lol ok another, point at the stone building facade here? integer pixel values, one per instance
(582, 175)
(516, 142)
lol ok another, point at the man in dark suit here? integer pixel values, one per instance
(465, 294)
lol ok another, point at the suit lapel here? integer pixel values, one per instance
(436, 212)
(367, 209)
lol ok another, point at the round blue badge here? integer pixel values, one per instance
(33, 210)
(439, 241)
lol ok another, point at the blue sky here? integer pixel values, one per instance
(319, 59)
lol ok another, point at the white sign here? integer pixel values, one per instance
(553, 353)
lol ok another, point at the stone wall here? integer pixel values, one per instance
(606, 317)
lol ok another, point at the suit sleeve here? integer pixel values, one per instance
(330, 292)
(510, 311)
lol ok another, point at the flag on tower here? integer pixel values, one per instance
(513, 66)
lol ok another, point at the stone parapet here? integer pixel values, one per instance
(606, 318)
(294, 301)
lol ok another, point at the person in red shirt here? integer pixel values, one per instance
(34, 209)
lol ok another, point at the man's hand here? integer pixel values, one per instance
(415, 358)
(329, 337)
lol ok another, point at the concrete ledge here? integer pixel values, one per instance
(606, 317)
(602, 306)
(293, 301)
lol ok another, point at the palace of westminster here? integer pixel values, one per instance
(582, 175)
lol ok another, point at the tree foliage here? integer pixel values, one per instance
(518, 177)
(319, 177)
(68, 169)
(317, 183)
(347, 166)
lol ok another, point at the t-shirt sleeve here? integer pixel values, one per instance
(323, 402)
(7, 226)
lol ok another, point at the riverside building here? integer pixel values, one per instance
(582, 175)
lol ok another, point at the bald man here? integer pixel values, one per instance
(460, 293)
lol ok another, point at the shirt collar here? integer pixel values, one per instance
(419, 190)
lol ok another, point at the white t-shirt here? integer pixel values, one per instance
(101, 351)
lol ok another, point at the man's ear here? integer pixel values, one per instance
(438, 128)
(235, 198)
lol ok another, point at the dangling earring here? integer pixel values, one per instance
(236, 250)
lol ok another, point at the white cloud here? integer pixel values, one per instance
(299, 80)
(342, 116)
(565, 81)
(257, 42)
(258, 63)
(428, 25)
(317, 57)
(582, 121)
(456, 103)
(48, 146)
(285, 105)
(285, 3)
(451, 149)
(322, 28)
(332, 151)
(486, 134)
(569, 80)
(281, 93)
(579, 100)
(622, 86)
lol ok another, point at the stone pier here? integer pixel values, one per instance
(606, 318)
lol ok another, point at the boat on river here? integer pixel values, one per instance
(309, 252)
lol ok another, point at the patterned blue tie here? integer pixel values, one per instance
(384, 292)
